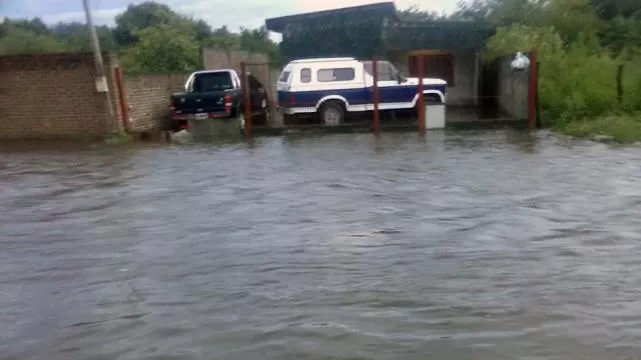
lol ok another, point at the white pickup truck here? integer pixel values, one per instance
(332, 87)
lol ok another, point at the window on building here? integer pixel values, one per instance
(305, 75)
(436, 66)
(340, 74)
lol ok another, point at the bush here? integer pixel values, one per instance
(577, 82)
(621, 128)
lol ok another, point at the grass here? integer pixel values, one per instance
(625, 129)
(118, 138)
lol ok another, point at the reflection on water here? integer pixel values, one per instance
(497, 245)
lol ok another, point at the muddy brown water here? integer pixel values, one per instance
(493, 245)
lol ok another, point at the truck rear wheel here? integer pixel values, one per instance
(332, 113)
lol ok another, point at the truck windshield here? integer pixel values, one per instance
(214, 81)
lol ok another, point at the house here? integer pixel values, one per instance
(451, 49)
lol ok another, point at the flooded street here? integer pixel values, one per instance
(493, 245)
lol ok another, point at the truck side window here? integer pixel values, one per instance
(385, 72)
(339, 74)
(305, 75)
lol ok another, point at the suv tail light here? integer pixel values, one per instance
(227, 100)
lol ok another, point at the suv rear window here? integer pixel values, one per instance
(212, 81)
(339, 74)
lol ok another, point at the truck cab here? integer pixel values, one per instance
(332, 87)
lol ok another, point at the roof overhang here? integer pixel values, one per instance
(438, 34)
(383, 9)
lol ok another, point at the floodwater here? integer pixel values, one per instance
(492, 245)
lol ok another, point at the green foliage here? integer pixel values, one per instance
(19, 41)
(162, 48)
(622, 37)
(574, 20)
(517, 37)
(581, 45)
(414, 13)
(76, 38)
(622, 128)
(610, 9)
(501, 12)
(148, 14)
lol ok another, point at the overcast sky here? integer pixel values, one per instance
(233, 13)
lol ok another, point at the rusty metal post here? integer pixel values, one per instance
(375, 98)
(421, 96)
(124, 112)
(532, 91)
(246, 100)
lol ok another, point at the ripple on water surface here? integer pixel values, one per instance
(497, 245)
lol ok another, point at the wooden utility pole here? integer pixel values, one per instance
(102, 84)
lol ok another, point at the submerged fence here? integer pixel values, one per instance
(519, 104)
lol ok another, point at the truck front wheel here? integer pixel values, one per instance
(332, 113)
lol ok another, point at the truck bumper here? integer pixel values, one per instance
(201, 116)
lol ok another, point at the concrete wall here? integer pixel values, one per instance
(258, 64)
(513, 89)
(53, 95)
(220, 58)
(466, 70)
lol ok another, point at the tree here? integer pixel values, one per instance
(142, 16)
(257, 40)
(501, 12)
(414, 13)
(150, 36)
(163, 48)
(35, 26)
(611, 9)
(76, 36)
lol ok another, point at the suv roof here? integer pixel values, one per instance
(313, 60)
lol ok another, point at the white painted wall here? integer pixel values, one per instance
(466, 74)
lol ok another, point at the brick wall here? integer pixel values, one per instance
(147, 98)
(52, 95)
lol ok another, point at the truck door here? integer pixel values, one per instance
(392, 95)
